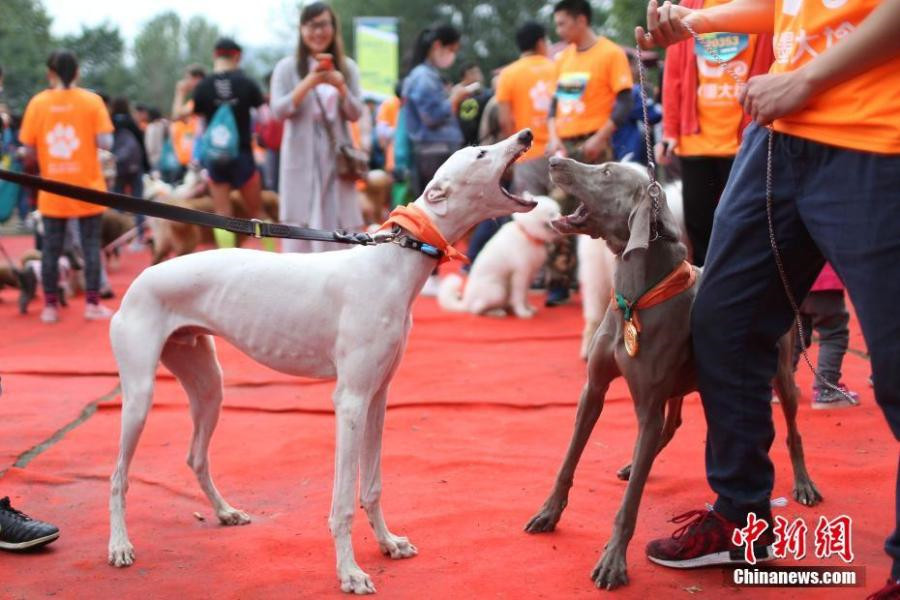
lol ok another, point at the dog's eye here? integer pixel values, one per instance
(481, 154)
(607, 172)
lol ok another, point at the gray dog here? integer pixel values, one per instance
(616, 206)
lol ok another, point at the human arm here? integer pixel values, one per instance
(104, 141)
(285, 96)
(874, 42)
(665, 23)
(181, 104)
(351, 100)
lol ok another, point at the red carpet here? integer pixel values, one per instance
(481, 412)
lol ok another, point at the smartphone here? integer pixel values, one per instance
(326, 62)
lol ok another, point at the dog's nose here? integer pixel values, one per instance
(526, 137)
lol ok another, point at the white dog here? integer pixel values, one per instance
(596, 265)
(504, 269)
(339, 314)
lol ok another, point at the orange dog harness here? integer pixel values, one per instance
(416, 221)
(679, 280)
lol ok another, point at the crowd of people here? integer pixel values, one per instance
(581, 98)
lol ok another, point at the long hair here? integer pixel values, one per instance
(336, 49)
(445, 34)
(65, 65)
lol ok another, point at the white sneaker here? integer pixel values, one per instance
(97, 312)
(50, 314)
(431, 287)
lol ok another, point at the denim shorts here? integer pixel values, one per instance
(236, 172)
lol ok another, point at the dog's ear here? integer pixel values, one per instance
(639, 225)
(437, 195)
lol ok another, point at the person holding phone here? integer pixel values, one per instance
(702, 119)
(316, 92)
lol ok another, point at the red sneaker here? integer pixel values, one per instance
(890, 591)
(705, 540)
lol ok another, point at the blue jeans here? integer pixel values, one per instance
(830, 203)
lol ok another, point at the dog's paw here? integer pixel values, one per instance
(806, 493)
(121, 554)
(233, 516)
(546, 519)
(610, 571)
(624, 473)
(397, 547)
(526, 312)
(355, 581)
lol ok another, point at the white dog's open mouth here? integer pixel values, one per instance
(507, 193)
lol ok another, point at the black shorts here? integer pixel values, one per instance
(236, 172)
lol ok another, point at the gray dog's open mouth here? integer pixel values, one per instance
(576, 220)
(507, 193)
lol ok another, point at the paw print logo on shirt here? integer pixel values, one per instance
(62, 142)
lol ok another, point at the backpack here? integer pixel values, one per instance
(127, 150)
(220, 140)
(168, 160)
(9, 192)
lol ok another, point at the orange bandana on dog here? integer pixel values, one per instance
(416, 221)
(679, 280)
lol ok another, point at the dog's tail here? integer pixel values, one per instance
(450, 293)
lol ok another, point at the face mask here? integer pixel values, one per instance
(444, 59)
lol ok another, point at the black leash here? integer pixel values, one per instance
(251, 227)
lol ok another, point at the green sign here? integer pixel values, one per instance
(377, 53)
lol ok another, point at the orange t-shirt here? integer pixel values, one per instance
(389, 112)
(587, 84)
(184, 134)
(63, 125)
(527, 85)
(862, 113)
(718, 112)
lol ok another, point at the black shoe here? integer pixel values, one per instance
(18, 531)
(556, 296)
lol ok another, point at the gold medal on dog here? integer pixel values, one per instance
(631, 339)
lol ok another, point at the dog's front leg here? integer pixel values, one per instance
(518, 295)
(370, 490)
(350, 416)
(589, 408)
(611, 571)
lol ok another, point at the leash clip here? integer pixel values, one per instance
(257, 228)
(654, 190)
(383, 237)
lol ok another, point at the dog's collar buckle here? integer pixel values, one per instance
(405, 241)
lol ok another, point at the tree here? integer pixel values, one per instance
(101, 56)
(162, 50)
(25, 44)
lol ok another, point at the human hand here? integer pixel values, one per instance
(771, 96)
(335, 79)
(664, 151)
(665, 25)
(594, 146)
(555, 148)
(457, 94)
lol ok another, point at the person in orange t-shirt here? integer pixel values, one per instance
(702, 119)
(386, 124)
(593, 97)
(524, 95)
(65, 126)
(831, 100)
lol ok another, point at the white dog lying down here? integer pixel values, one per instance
(339, 314)
(504, 269)
(596, 265)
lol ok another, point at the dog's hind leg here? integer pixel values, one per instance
(805, 491)
(370, 485)
(610, 571)
(137, 353)
(589, 408)
(673, 422)
(197, 368)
